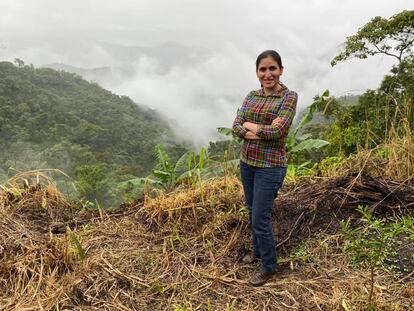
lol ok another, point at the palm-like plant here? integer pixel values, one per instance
(296, 142)
(167, 175)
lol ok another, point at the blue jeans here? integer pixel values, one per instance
(261, 185)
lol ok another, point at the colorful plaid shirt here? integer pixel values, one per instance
(258, 108)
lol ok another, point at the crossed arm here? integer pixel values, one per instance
(253, 129)
(279, 127)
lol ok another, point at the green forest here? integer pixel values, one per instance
(56, 120)
(103, 208)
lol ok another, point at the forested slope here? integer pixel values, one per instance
(56, 119)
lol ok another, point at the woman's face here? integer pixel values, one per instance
(269, 73)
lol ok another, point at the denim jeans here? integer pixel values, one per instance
(261, 185)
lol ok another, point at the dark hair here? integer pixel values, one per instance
(273, 54)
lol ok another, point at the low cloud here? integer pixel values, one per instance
(209, 67)
(196, 98)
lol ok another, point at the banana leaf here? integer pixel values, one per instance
(310, 144)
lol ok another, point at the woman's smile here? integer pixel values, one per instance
(268, 73)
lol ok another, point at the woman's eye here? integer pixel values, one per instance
(271, 68)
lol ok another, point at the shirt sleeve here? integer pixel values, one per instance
(238, 129)
(280, 126)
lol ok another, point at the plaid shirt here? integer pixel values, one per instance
(258, 108)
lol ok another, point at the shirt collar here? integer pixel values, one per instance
(278, 93)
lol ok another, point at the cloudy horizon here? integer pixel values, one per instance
(193, 61)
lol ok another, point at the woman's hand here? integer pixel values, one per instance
(252, 127)
(251, 136)
(276, 122)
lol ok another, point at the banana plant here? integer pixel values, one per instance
(167, 175)
(295, 142)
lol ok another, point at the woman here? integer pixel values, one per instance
(263, 122)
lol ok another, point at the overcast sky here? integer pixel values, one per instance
(204, 92)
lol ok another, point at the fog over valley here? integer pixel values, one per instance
(193, 61)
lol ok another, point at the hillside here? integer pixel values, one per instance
(56, 119)
(100, 75)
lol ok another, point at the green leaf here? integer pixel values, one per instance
(75, 240)
(310, 144)
(304, 137)
(326, 93)
(181, 165)
(202, 158)
(291, 140)
(162, 158)
(190, 161)
(225, 131)
(162, 176)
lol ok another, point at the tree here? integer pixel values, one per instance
(393, 37)
(91, 181)
(401, 80)
(19, 62)
(369, 122)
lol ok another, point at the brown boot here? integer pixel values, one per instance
(249, 258)
(261, 278)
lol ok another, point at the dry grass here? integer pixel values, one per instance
(400, 154)
(393, 159)
(177, 252)
(32, 261)
(221, 194)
